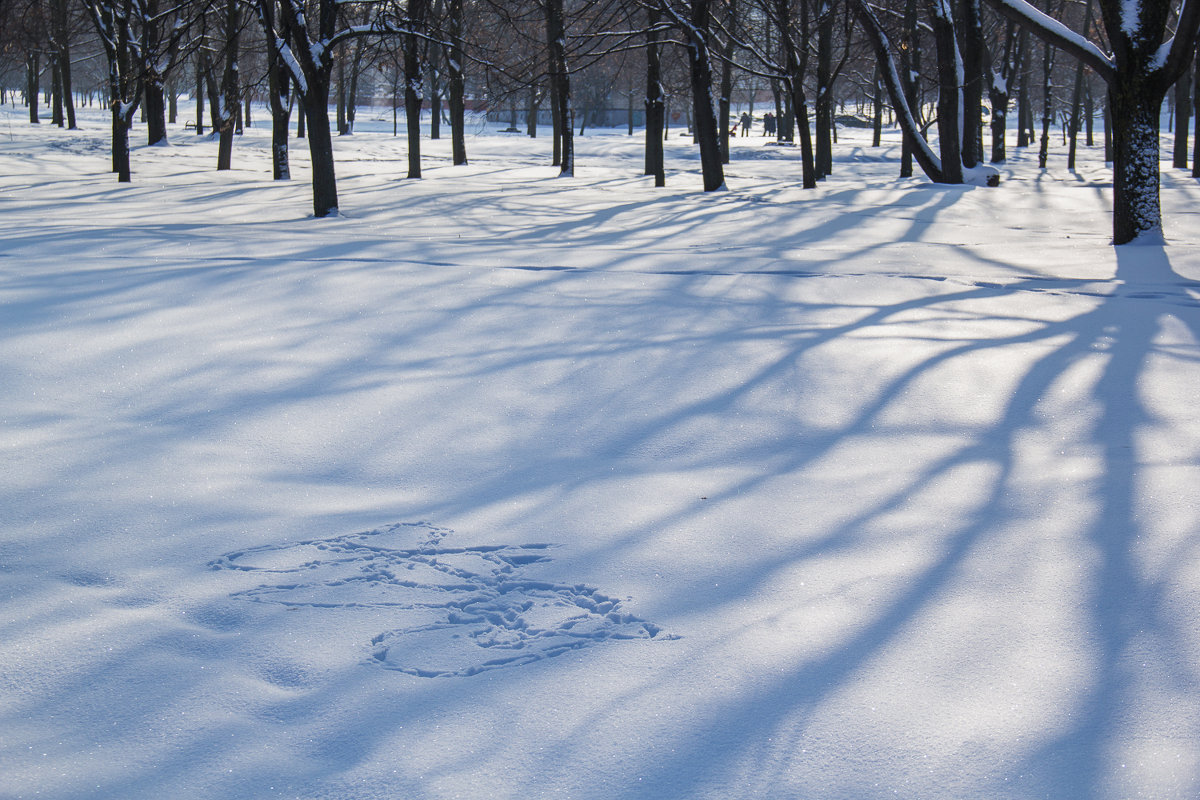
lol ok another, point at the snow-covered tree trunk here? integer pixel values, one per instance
(279, 84)
(998, 93)
(704, 115)
(919, 148)
(1146, 59)
(1136, 208)
(974, 56)
(113, 23)
(950, 81)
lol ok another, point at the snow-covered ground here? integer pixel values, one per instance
(506, 486)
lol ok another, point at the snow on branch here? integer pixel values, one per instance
(1176, 52)
(1056, 34)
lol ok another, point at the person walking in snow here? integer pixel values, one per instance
(747, 121)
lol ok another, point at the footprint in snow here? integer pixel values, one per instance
(467, 609)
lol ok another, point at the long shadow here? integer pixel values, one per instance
(1128, 613)
(1136, 631)
(1123, 607)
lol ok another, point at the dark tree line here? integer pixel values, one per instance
(934, 67)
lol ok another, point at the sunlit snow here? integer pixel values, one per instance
(502, 485)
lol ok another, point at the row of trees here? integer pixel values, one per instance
(932, 63)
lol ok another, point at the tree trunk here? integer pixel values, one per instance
(279, 85)
(910, 69)
(974, 57)
(561, 86)
(1196, 105)
(1089, 111)
(201, 66)
(724, 103)
(555, 124)
(61, 36)
(532, 107)
(655, 102)
(32, 68)
(1136, 208)
(435, 97)
(352, 92)
(1047, 102)
(230, 84)
(876, 110)
(998, 93)
(458, 134)
(1183, 114)
(949, 79)
(919, 148)
(824, 104)
(704, 117)
(320, 149)
(154, 104)
(120, 143)
(340, 97)
(1076, 110)
(56, 103)
(1020, 67)
(413, 83)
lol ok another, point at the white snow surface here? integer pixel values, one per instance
(502, 485)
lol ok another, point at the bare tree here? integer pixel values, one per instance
(1146, 59)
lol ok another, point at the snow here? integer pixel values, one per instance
(502, 486)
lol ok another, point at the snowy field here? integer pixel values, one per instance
(505, 486)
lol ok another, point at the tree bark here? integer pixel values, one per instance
(561, 86)
(458, 134)
(1135, 162)
(230, 101)
(726, 90)
(1024, 111)
(320, 149)
(1047, 102)
(1183, 114)
(62, 45)
(279, 85)
(704, 117)
(655, 101)
(1196, 117)
(32, 68)
(413, 84)
(974, 56)
(949, 80)
(823, 158)
(910, 68)
(201, 66)
(56, 103)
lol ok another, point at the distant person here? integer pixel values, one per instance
(768, 124)
(747, 121)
